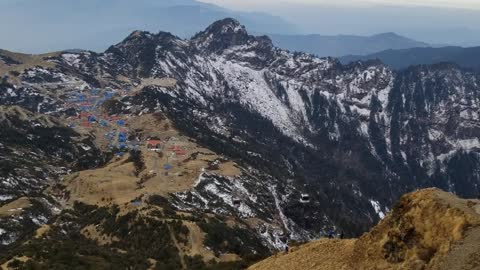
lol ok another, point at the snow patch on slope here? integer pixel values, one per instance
(377, 208)
(255, 93)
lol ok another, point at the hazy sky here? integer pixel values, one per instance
(437, 22)
(47, 25)
(253, 4)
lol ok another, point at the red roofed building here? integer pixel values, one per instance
(179, 151)
(154, 144)
(113, 118)
(83, 115)
(85, 123)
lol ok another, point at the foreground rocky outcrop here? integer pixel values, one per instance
(427, 229)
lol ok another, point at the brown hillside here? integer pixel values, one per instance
(427, 229)
(23, 61)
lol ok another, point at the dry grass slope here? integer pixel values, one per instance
(24, 61)
(14, 208)
(117, 182)
(428, 229)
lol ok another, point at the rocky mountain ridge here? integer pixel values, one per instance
(466, 57)
(320, 146)
(342, 45)
(320, 104)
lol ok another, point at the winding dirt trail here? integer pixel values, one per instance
(195, 242)
(179, 248)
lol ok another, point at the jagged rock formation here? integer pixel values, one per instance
(427, 229)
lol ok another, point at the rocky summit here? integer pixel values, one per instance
(217, 151)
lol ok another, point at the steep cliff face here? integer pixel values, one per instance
(435, 124)
(350, 138)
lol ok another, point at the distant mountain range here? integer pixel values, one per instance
(94, 25)
(400, 59)
(342, 45)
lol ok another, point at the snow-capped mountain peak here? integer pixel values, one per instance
(226, 34)
(353, 137)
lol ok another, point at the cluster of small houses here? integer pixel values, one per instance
(91, 100)
(175, 150)
(87, 119)
(87, 104)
